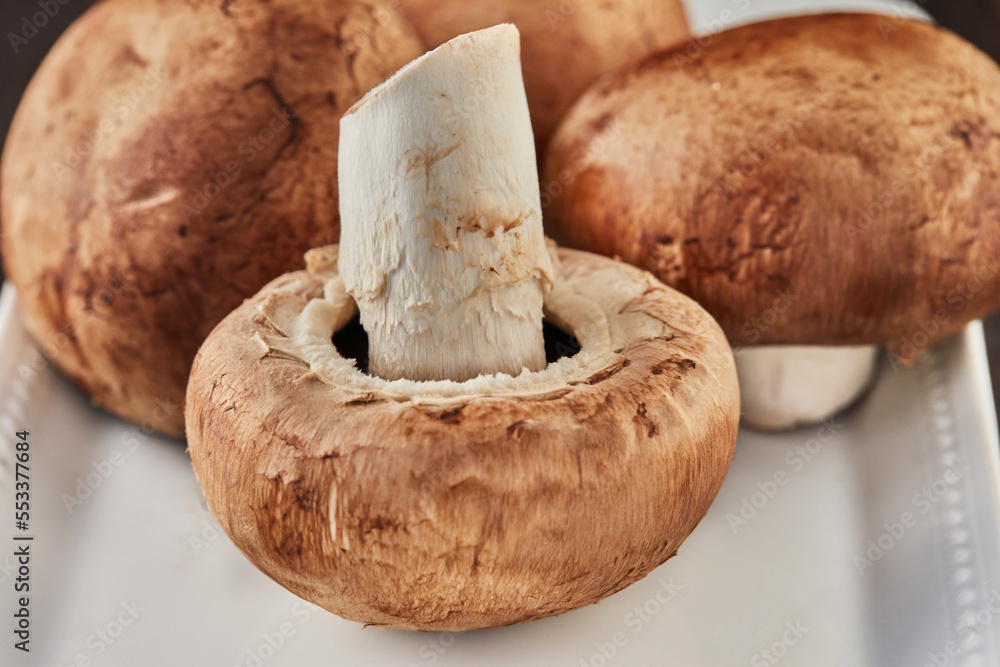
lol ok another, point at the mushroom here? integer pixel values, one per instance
(821, 184)
(166, 162)
(463, 481)
(567, 45)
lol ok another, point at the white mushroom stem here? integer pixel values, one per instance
(784, 386)
(441, 227)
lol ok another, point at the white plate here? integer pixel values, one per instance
(129, 569)
(847, 546)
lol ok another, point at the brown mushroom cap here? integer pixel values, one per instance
(828, 180)
(565, 45)
(453, 506)
(152, 178)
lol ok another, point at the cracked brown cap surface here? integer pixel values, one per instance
(168, 160)
(829, 179)
(453, 506)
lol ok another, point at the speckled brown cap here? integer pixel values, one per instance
(453, 506)
(830, 179)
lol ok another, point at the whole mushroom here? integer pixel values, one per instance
(566, 45)
(464, 481)
(821, 184)
(167, 161)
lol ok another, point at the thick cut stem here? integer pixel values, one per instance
(784, 386)
(441, 240)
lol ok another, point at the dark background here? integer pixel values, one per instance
(977, 20)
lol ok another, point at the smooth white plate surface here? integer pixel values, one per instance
(849, 545)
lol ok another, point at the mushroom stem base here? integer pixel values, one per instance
(786, 386)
